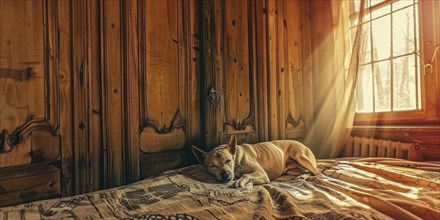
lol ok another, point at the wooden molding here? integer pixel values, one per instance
(240, 125)
(291, 120)
(178, 122)
(8, 141)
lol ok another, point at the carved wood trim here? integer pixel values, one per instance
(20, 74)
(8, 141)
(240, 125)
(178, 122)
(291, 120)
(250, 119)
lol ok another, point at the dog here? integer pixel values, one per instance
(256, 163)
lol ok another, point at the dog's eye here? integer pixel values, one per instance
(213, 166)
(228, 161)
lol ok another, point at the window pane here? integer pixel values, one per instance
(364, 92)
(381, 11)
(367, 39)
(401, 4)
(403, 31)
(404, 83)
(382, 86)
(381, 38)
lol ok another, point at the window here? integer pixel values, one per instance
(391, 85)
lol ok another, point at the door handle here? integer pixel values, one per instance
(213, 95)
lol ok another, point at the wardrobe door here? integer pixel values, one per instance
(168, 83)
(29, 117)
(230, 71)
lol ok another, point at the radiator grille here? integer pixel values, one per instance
(371, 147)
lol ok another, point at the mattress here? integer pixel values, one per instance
(369, 188)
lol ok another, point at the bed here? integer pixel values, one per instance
(367, 188)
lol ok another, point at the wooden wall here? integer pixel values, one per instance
(119, 90)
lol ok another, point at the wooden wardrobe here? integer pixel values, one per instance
(96, 94)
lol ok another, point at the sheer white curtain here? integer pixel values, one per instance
(333, 118)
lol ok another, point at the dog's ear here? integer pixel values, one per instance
(200, 154)
(232, 145)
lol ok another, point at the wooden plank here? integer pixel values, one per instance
(281, 56)
(306, 65)
(94, 151)
(194, 88)
(219, 64)
(65, 78)
(262, 76)
(131, 58)
(272, 70)
(295, 107)
(113, 91)
(252, 19)
(231, 28)
(29, 183)
(80, 96)
(209, 64)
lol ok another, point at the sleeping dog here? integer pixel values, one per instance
(256, 163)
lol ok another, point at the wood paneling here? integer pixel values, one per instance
(236, 75)
(80, 83)
(29, 100)
(254, 68)
(29, 183)
(112, 82)
(132, 102)
(169, 83)
(65, 100)
(230, 71)
(164, 77)
(195, 125)
(93, 180)
(28, 104)
(283, 49)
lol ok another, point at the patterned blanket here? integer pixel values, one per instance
(371, 188)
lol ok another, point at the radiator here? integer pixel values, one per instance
(371, 147)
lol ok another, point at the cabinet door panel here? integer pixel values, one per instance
(233, 72)
(27, 83)
(163, 83)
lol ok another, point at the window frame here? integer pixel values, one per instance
(429, 28)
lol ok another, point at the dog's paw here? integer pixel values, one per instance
(239, 183)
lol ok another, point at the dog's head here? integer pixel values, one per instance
(219, 161)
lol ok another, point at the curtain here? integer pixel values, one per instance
(336, 79)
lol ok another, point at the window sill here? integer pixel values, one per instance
(412, 118)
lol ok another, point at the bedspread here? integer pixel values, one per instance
(369, 188)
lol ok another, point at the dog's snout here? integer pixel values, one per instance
(224, 175)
